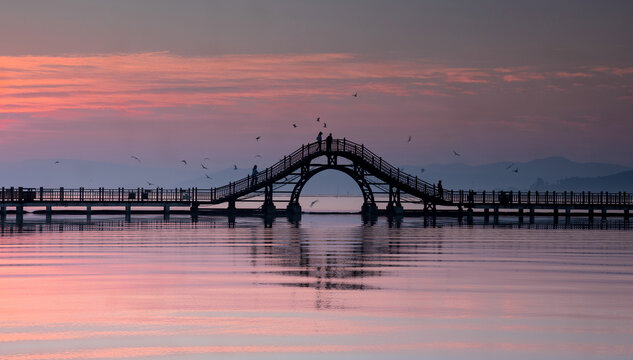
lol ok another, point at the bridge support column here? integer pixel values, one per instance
(567, 215)
(231, 211)
(590, 214)
(369, 212)
(166, 212)
(496, 215)
(555, 215)
(531, 214)
(268, 208)
(460, 214)
(3, 213)
(626, 215)
(604, 214)
(469, 216)
(49, 214)
(19, 214)
(128, 213)
(293, 211)
(486, 216)
(88, 213)
(193, 211)
(520, 215)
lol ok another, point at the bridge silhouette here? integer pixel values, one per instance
(371, 173)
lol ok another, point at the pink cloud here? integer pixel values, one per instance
(523, 76)
(563, 74)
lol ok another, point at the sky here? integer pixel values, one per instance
(165, 80)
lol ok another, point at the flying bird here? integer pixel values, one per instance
(318, 119)
(422, 170)
(257, 138)
(409, 138)
(456, 153)
(509, 166)
(314, 202)
(184, 161)
(149, 183)
(294, 125)
(258, 156)
(207, 158)
(324, 125)
(516, 170)
(135, 158)
(234, 167)
(355, 94)
(207, 175)
(204, 167)
(56, 161)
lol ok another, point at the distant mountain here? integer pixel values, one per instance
(622, 181)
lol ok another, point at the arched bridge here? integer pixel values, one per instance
(366, 168)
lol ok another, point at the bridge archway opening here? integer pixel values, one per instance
(332, 189)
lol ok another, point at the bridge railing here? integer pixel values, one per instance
(17, 194)
(542, 198)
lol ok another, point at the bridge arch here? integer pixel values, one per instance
(356, 175)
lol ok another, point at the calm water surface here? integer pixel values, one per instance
(330, 288)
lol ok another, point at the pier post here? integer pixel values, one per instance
(486, 216)
(293, 211)
(88, 212)
(469, 216)
(590, 214)
(531, 214)
(3, 213)
(626, 215)
(19, 214)
(369, 212)
(556, 215)
(496, 215)
(520, 215)
(49, 213)
(193, 211)
(604, 213)
(567, 215)
(128, 213)
(166, 212)
(460, 214)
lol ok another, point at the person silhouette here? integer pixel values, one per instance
(328, 143)
(440, 189)
(319, 139)
(254, 175)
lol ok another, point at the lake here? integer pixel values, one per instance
(329, 287)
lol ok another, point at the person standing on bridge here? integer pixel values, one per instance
(440, 189)
(328, 143)
(319, 139)
(254, 176)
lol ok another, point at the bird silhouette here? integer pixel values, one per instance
(207, 158)
(234, 167)
(509, 166)
(355, 94)
(184, 161)
(422, 170)
(409, 138)
(516, 170)
(314, 202)
(135, 158)
(456, 153)
(207, 175)
(149, 183)
(318, 119)
(204, 167)
(56, 161)
(258, 156)
(294, 125)
(257, 138)
(324, 125)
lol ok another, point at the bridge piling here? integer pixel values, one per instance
(3, 213)
(590, 214)
(555, 215)
(604, 213)
(469, 216)
(486, 216)
(128, 213)
(520, 215)
(193, 211)
(19, 214)
(49, 214)
(166, 212)
(88, 212)
(293, 211)
(531, 214)
(626, 214)
(496, 215)
(567, 215)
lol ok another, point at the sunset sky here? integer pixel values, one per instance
(171, 80)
